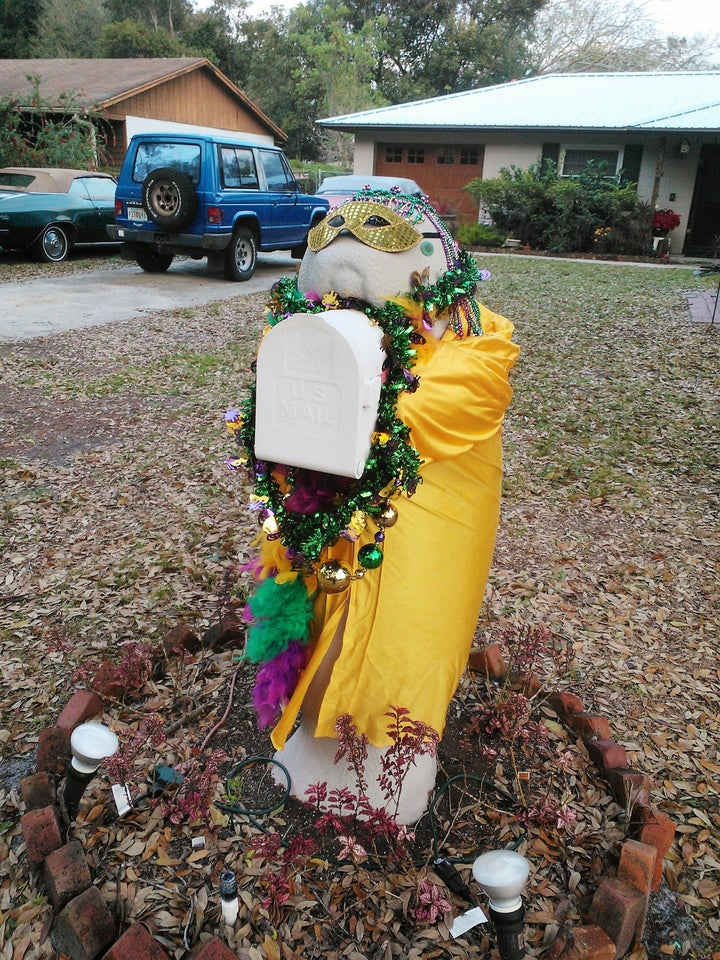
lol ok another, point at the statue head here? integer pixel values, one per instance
(371, 246)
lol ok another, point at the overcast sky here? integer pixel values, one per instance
(684, 17)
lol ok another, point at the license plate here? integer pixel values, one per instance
(136, 213)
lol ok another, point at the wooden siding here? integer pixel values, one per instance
(195, 98)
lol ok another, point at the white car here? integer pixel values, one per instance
(340, 188)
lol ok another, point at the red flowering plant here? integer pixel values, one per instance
(665, 220)
(427, 904)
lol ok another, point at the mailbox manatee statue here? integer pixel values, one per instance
(373, 436)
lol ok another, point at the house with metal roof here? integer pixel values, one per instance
(662, 130)
(143, 95)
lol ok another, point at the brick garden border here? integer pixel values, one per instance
(84, 928)
(616, 917)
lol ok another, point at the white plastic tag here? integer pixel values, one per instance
(121, 796)
(466, 921)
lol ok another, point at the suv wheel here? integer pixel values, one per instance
(240, 255)
(152, 262)
(169, 198)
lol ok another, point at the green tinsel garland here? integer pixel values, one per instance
(392, 465)
(456, 286)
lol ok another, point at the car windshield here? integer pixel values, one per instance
(184, 157)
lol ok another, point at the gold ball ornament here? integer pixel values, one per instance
(388, 516)
(334, 576)
(269, 526)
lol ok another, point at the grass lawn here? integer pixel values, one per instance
(118, 518)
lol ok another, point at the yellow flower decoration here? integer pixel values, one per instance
(331, 301)
(357, 524)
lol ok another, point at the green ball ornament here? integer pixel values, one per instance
(370, 556)
(334, 576)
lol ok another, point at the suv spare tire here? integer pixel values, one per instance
(169, 198)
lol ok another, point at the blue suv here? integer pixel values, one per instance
(206, 196)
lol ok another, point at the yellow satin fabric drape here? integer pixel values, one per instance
(410, 623)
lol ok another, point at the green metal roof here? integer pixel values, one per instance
(562, 101)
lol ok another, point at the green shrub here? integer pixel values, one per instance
(479, 235)
(37, 133)
(550, 212)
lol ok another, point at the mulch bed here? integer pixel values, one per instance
(120, 519)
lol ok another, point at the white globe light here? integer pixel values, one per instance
(502, 874)
(90, 744)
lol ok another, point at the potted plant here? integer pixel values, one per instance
(664, 221)
(601, 239)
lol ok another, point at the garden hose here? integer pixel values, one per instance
(253, 814)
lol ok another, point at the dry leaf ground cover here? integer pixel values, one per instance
(119, 518)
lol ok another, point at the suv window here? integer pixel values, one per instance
(184, 157)
(237, 169)
(277, 173)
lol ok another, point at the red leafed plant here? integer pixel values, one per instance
(194, 795)
(666, 220)
(349, 816)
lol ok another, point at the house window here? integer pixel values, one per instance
(416, 155)
(574, 160)
(446, 156)
(393, 154)
(469, 156)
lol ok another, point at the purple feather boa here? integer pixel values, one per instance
(276, 681)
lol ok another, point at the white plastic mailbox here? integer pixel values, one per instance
(318, 386)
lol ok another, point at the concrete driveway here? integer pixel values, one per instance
(44, 306)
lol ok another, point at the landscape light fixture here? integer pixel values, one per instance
(229, 897)
(90, 744)
(502, 875)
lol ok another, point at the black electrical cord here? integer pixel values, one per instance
(440, 793)
(253, 814)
